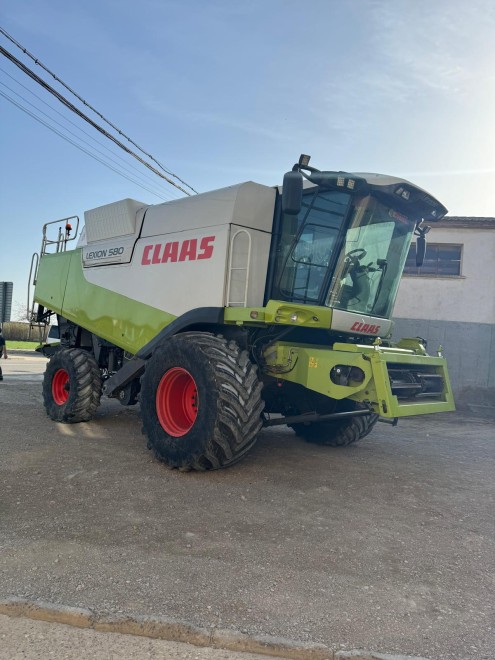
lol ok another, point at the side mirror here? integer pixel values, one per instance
(420, 250)
(292, 193)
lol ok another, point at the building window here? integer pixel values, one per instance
(440, 261)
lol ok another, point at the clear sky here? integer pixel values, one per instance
(224, 91)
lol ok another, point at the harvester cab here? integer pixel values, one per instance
(240, 308)
(342, 242)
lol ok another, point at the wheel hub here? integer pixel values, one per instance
(60, 387)
(177, 402)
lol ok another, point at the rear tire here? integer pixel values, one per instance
(71, 386)
(200, 402)
(337, 433)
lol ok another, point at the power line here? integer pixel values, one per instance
(147, 179)
(76, 110)
(91, 137)
(67, 139)
(55, 77)
(64, 137)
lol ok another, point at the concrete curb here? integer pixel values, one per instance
(176, 631)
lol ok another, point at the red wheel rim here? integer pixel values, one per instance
(177, 402)
(60, 387)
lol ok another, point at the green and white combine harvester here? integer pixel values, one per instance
(240, 308)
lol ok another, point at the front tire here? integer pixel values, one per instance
(337, 433)
(71, 386)
(200, 402)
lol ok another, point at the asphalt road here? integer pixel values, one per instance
(387, 545)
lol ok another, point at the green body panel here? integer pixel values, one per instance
(51, 280)
(62, 287)
(280, 313)
(310, 366)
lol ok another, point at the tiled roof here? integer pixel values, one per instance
(466, 221)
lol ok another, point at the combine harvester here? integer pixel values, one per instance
(240, 308)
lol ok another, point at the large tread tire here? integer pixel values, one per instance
(229, 403)
(338, 433)
(72, 386)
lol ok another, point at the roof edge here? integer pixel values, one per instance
(467, 222)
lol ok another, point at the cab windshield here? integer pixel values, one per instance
(342, 252)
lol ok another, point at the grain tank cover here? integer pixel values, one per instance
(112, 220)
(110, 233)
(246, 204)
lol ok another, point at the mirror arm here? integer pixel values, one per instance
(420, 232)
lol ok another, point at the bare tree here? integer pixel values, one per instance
(19, 312)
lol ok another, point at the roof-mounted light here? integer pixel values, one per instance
(403, 192)
(304, 160)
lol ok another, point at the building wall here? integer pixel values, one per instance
(470, 297)
(470, 352)
(457, 313)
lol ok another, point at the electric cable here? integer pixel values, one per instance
(59, 80)
(142, 176)
(81, 114)
(64, 137)
(138, 176)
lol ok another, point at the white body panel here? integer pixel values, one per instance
(210, 250)
(171, 286)
(355, 323)
(112, 251)
(247, 204)
(110, 233)
(116, 219)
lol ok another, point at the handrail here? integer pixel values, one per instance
(63, 236)
(29, 310)
(60, 243)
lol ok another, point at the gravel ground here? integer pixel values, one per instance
(387, 545)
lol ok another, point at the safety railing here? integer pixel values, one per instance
(65, 233)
